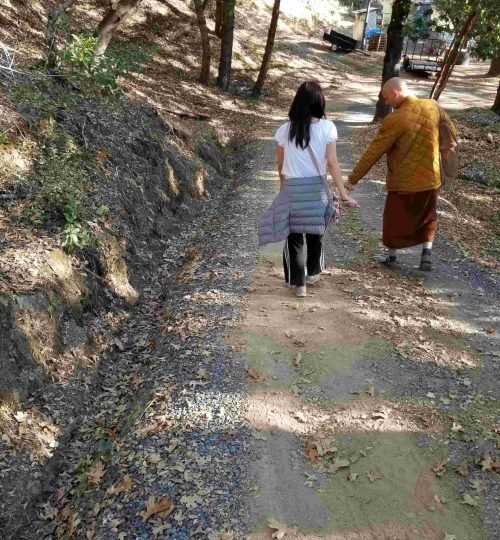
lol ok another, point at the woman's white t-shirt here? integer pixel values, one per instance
(297, 162)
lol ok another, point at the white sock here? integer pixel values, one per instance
(392, 252)
(427, 245)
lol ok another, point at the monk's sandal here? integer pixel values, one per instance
(390, 261)
(426, 261)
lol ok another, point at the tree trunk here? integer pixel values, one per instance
(494, 67)
(205, 41)
(496, 105)
(452, 57)
(393, 51)
(266, 60)
(52, 19)
(226, 49)
(219, 18)
(111, 22)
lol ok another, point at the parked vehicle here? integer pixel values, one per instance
(340, 42)
(423, 55)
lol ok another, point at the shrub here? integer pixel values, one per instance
(99, 75)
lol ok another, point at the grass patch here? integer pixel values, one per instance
(405, 491)
(478, 418)
(274, 358)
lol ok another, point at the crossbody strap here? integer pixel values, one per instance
(331, 196)
(314, 160)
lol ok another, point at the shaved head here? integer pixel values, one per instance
(394, 91)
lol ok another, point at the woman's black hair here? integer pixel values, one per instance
(308, 102)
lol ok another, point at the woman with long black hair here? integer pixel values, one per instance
(305, 205)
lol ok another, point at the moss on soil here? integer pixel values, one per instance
(401, 461)
(315, 366)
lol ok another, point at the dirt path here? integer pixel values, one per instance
(358, 405)
(367, 396)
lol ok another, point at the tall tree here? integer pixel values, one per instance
(496, 105)
(111, 21)
(475, 22)
(393, 51)
(52, 19)
(494, 70)
(199, 7)
(219, 18)
(264, 68)
(226, 49)
(451, 58)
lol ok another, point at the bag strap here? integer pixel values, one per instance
(441, 112)
(314, 160)
(331, 197)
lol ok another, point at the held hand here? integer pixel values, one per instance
(348, 185)
(351, 203)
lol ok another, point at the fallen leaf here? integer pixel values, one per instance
(191, 501)
(226, 536)
(119, 344)
(457, 428)
(280, 530)
(299, 416)
(370, 390)
(256, 374)
(297, 359)
(95, 473)
(490, 330)
(352, 477)
(449, 537)
(124, 485)
(438, 468)
(373, 475)
(488, 464)
(160, 529)
(312, 451)
(379, 414)
(163, 507)
(21, 416)
(478, 485)
(468, 499)
(339, 464)
(463, 468)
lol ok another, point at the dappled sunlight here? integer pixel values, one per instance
(280, 409)
(27, 428)
(354, 117)
(386, 306)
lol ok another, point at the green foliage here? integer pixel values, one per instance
(419, 24)
(102, 210)
(61, 176)
(30, 96)
(4, 137)
(486, 32)
(75, 234)
(98, 75)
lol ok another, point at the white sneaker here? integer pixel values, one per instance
(311, 280)
(300, 292)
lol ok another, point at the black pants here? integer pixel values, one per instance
(293, 257)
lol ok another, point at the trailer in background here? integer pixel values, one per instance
(340, 42)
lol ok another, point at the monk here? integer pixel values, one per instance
(410, 138)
